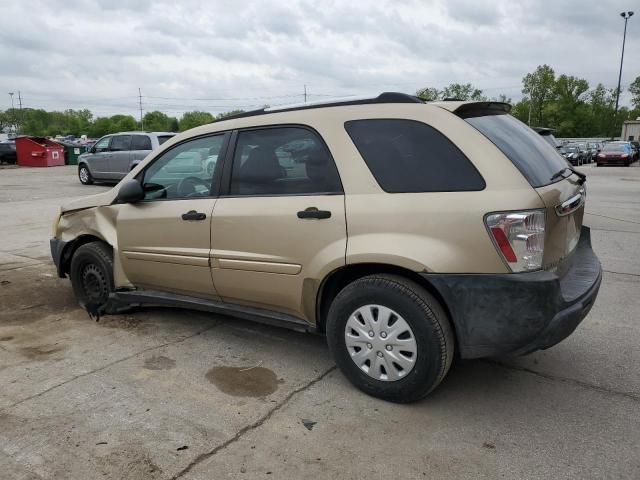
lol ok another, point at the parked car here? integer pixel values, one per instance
(594, 148)
(615, 153)
(635, 145)
(464, 234)
(547, 135)
(8, 152)
(573, 155)
(113, 156)
(586, 152)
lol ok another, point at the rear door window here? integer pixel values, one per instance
(120, 143)
(409, 156)
(536, 159)
(283, 161)
(141, 142)
(164, 138)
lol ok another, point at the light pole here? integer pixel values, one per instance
(626, 16)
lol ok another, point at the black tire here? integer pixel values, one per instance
(427, 320)
(84, 175)
(91, 275)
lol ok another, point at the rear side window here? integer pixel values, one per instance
(120, 143)
(536, 159)
(163, 138)
(141, 142)
(408, 156)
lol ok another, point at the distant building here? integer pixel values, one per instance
(631, 130)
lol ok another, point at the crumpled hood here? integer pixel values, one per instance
(98, 200)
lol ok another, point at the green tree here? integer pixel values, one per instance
(520, 110)
(462, 91)
(156, 121)
(570, 89)
(123, 123)
(195, 119)
(634, 88)
(502, 98)
(429, 94)
(222, 116)
(100, 127)
(539, 86)
(174, 125)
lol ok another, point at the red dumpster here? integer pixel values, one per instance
(39, 152)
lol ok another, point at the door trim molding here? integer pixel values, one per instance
(167, 258)
(258, 266)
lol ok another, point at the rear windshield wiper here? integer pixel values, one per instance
(560, 174)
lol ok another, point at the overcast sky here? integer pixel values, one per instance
(220, 55)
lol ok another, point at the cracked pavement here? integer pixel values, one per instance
(168, 394)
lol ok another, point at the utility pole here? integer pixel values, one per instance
(305, 94)
(13, 113)
(140, 99)
(626, 16)
(20, 113)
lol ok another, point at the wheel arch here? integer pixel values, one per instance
(71, 247)
(335, 281)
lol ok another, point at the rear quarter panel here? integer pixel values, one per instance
(441, 232)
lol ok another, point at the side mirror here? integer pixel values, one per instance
(130, 192)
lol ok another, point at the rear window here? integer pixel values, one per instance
(164, 138)
(408, 156)
(536, 159)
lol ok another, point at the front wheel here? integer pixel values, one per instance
(390, 337)
(91, 275)
(85, 175)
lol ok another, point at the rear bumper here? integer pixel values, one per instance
(57, 249)
(518, 313)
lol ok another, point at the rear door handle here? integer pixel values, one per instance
(193, 215)
(313, 212)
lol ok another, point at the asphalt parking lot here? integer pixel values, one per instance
(177, 394)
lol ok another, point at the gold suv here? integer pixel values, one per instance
(405, 231)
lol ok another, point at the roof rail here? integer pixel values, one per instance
(386, 97)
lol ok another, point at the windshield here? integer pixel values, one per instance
(613, 147)
(536, 159)
(571, 149)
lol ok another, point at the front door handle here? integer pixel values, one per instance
(313, 212)
(193, 215)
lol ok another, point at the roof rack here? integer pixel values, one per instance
(386, 97)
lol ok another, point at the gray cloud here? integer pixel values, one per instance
(96, 53)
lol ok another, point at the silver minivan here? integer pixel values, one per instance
(113, 156)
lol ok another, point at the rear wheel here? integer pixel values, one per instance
(85, 175)
(390, 337)
(91, 275)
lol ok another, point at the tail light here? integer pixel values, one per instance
(519, 236)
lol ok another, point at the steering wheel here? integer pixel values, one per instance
(187, 186)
